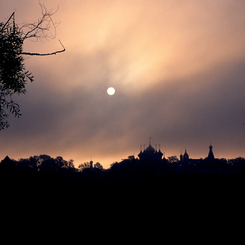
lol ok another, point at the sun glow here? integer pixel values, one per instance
(111, 91)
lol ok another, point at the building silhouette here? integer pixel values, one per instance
(184, 164)
(150, 154)
(185, 157)
(210, 154)
(154, 155)
(187, 164)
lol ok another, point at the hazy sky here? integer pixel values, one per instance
(178, 68)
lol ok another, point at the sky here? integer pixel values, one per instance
(178, 68)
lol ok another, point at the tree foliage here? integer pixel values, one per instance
(45, 163)
(13, 74)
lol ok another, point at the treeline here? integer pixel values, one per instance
(131, 169)
(45, 163)
(42, 163)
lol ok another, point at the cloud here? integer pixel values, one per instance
(178, 71)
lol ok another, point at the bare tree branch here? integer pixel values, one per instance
(46, 54)
(39, 28)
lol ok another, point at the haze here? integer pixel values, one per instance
(177, 68)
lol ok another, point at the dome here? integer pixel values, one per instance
(150, 149)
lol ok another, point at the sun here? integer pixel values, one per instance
(111, 91)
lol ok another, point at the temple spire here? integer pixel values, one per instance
(210, 154)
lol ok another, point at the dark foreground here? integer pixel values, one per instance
(110, 178)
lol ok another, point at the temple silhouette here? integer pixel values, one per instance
(150, 154)
(185, 163)
(211, 154)
(154, 155)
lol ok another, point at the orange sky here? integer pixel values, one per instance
(177, 67)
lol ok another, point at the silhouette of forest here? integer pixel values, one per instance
(47, 169)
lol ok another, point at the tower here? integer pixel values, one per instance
(186, 156)
(91, 163)
(211, 154)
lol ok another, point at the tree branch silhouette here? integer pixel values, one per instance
(46, 54)
(40, 28)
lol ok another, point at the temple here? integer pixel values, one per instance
(150, 154)
(210, 154)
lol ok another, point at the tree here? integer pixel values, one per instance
(13, 75)
(173, 159)
(98, 166)
(83, 166)
(7, 165)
